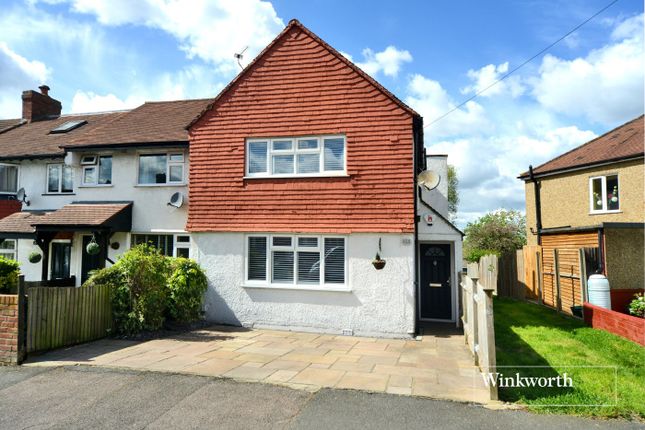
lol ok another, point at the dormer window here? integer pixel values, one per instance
(60, 179)
(604, 194)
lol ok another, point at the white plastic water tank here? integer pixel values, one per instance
(598, 291)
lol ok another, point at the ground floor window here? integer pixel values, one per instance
(172, 245)
(296, 260)
(8, 248)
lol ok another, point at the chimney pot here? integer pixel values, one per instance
(44, 89)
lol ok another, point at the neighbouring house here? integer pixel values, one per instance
(592, 197)
(103, 177)
(292, 179)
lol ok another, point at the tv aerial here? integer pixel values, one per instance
(240, 56)
(428, 179)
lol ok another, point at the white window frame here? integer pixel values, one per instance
(169, 163)
(59, 167)
(603, 182)
(295, 152)
(175, 244)
(267, 283)
(17, 166)
(96, 164)
(13, 253)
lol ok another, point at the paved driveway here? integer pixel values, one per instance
(436, 366)
(99, 398)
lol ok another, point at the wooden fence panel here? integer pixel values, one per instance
(65, 316)
(532, 255)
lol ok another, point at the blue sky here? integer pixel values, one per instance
(114, 54)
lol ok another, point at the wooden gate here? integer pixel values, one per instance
(65, 316)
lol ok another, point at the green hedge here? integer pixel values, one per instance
(9, 271)
(147, 288)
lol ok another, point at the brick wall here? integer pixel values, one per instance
(7, 207)
(627, 326)
(9, 329)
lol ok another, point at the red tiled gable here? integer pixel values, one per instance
(620, 143)
(77, 214)
(300, 86)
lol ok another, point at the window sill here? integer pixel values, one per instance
(605, 212)
(326, 175)
(335, 289)
(159, 185)
(96, 186)
(58, 194)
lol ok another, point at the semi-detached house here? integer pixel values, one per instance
(301, 170)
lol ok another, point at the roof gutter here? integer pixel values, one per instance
(130, 145)
(527, 176)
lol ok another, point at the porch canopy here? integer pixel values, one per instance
(101, 219)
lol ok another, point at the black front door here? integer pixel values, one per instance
(60, 258)
(435, 290)
(89, 262)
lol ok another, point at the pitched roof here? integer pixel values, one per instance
(623, 142)
(19, 222)
(295, 23)
(150, 123)
(81, 214)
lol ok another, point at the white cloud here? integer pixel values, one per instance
(487, 75)
(212, 30)
(606, 86)
(84, 102)
(18, 74)
(389, 61)
(428, 98)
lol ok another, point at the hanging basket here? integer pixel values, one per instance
(378, 263)
(93, 248)
(35, 257)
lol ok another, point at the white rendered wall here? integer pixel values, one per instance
(438, 197)
(379, 303)
(150, 211)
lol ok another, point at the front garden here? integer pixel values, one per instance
(531, 335)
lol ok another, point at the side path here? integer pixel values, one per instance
(84, 397)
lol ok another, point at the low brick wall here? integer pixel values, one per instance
(9, 329)
(627, 326)
(620, 299)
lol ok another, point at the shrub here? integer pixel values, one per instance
(186, 286)
(473, 255)
(637, 306)
(9, 271)
(146, 287)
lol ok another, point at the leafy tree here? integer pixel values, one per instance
(497, 233)
(453, 192)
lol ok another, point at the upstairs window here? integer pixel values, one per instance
(284, 260)
(303, 156)
(60, 178)
(604, 194)
(8, 178)
(97, 170)
(161, 168)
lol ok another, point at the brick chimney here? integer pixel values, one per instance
(37, 106)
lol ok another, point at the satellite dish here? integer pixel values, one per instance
(21, 196)
(428, 179)
(176, 200)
